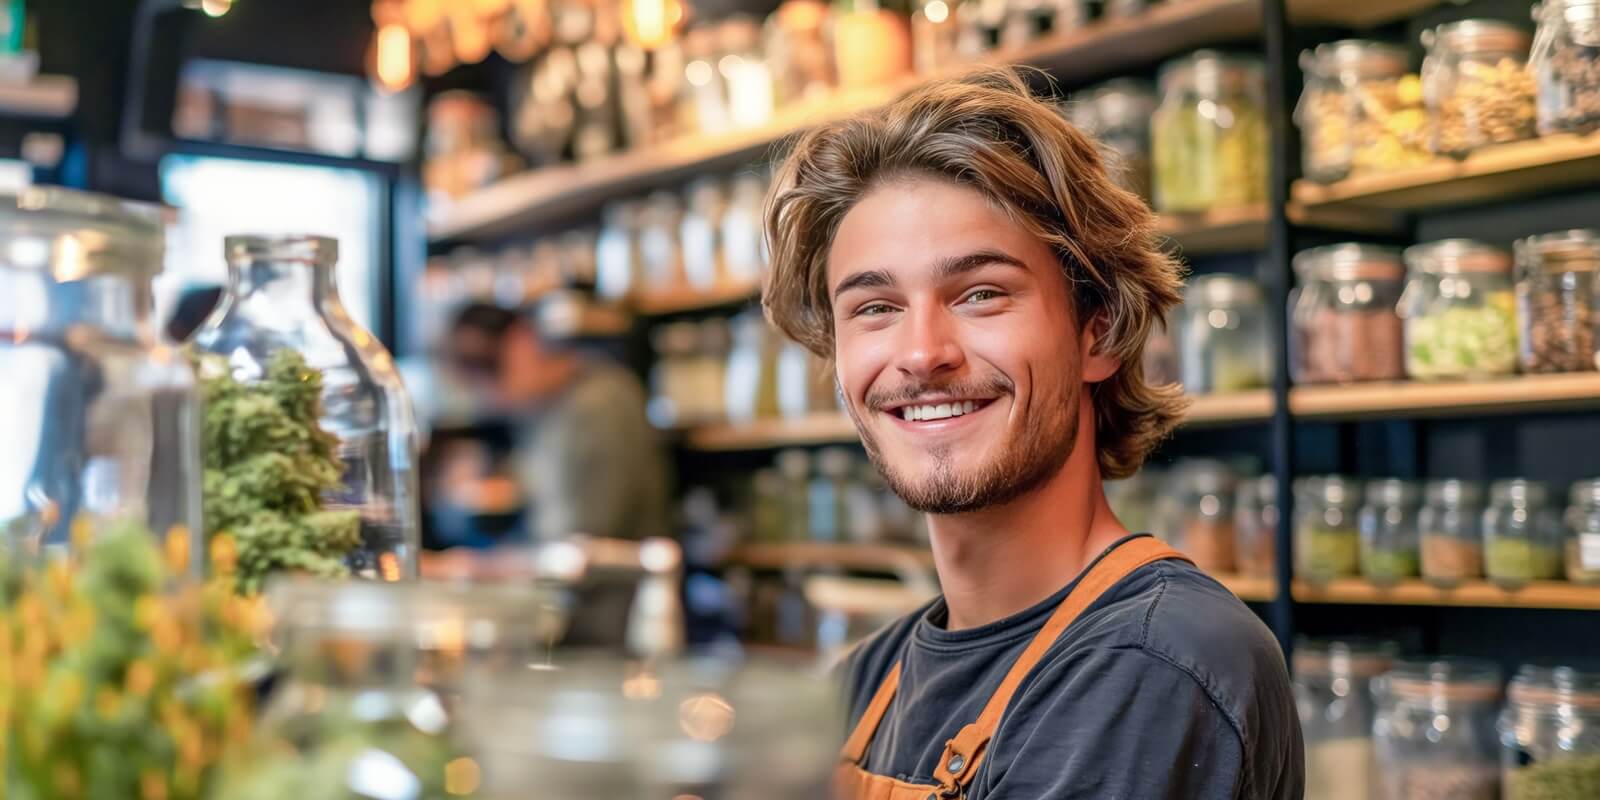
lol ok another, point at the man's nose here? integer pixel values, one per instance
(930, 344)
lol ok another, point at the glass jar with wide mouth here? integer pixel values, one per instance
(1566, 65)
(100, 420)
(1256, 527)
(1477, 86)
(280, 323)
(1459, 311)
(1582, 550)
(1333, 693)
(1556, 300)
(1118, 113)
(1435, 731)
(1550, 734)
(1209, 134)
(1222, 338)
(1450, 528)
(1346, 327)
(1206, 534)
(1389, 539)
(1327, 541)
(1361, 111)
(1521, 534)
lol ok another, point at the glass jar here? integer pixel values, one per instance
(1206, 533)
(752, 376)
(1360, 111)
(281, 298)
(752, 79)
(660, 254)
(1389, 539)
(1449, 526)
(1459, 310)
(1582, 554)
(1118, 113)
(672, 390)
(702, 251)
(1565, 49)
(1521, 534)
(743, 251)
(1333, 693)
(101, 421)
(619, 269)
(1556, 299)
(1434, 733)
(1477, 86)
(1344, 319)
(1550, 735)
(826, 511)
(1327, 540)
(1223, 339)
(1255, 527)
(1209, 135)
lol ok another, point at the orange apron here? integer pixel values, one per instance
(959, 763)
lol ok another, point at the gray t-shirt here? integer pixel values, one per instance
(1167, 687)
(591, 463)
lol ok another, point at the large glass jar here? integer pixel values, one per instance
(1477, 86)
(1255, 527)
(1118, 113)
(752, 377)
(281, 296)
(743, 254)
(1206, 535)
(1566, 64)
(1435, 731)
(1459, 309)
(1582, 554)
(1223, 337)
(1389, 540)
(1344, 319)
(1521, 534)
(1556, 300)
(1360, 111)
(1333, 693)
(1550, 735)
(660, 253)
(1210, 134)
(100, 421)
(619, 267)
(702, 250)
(1450, 526)
(1327, 539)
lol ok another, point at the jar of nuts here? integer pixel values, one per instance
(1343, 314)
(1360, 111)
(1210, 134)
(1566, 65)
(1556, 300)
(1459, 311)
(1477, 86)
(1449, 525)
(1521, 534)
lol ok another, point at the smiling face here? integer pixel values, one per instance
(959, 354)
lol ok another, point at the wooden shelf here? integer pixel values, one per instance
(870, 557)
(1494, 173)
(1249, 588)
(45, 97)
(1479, 594)
(1212, 409)
(677, 302)
(1456, 398)
(1355, 13)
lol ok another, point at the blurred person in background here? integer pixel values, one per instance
(586, 458)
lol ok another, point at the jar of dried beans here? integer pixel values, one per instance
(1448, 524)
(1566, 65)
(1476, 84)
(1345, 324)
(1360, 111)
(1556, 300)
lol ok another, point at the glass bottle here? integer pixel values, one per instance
(1435, 730)
(1360, 112)
(1256, 527)
(1223, 338)
(619, 266)
(1582, 554)
(1565, 48)
(281, 296)
(1459, 310)
(1388, 522)
(1449, 526)
(1556, 300)
(1521, 534)
(101, 422)
(743, 251)
(1327, 540)
(1343, 316)
(1477, 86)
(1209, 134)
(1550, 734)
(1332, 690)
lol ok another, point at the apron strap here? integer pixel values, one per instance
(856, 746)
(959, 763)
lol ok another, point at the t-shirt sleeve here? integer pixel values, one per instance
(1114, 724)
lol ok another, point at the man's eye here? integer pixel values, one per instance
(874, 309)
(981, 295)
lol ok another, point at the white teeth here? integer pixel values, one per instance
(969, 406)
(932, 411)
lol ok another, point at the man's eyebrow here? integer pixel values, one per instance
(866, 279)
(956, 265)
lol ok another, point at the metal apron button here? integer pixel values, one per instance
(956, 763)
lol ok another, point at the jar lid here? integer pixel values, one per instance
(1457, 256)
(293, 248)
(1349, 261)
(1344, 658)
(1478, 36)
(1576, 250)
(1209, 71)
(73, 235)
(1453, 491)
(1555, 687)
(1365, 57)
(1338, 490)
(1392, 492)
(1222, 290)
(1518, 491)
(1467, 679)
(1121, 103)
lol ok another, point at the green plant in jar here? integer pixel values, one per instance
(267, 464)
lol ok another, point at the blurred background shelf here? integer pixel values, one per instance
(1250, 588)
(44, 97)
(1478, 594)
(1254, 405)
(1454, 398)
(661, 303)
(866, 557)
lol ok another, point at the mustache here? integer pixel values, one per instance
(991, 386)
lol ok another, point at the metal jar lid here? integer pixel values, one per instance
(1362, 57)
(72, 235)
(1575, 250)
(1457, 256)
(1349, 261)
(1518, 492)
(1478, 36)
(1391, 492)
(1453, 492)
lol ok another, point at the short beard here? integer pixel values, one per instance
(1028, 461)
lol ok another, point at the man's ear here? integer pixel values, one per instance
(1097, 364)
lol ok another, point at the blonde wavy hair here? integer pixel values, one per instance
(986, 130)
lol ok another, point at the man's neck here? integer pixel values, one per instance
(999, 561)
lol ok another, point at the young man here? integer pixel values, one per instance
(985, 292)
